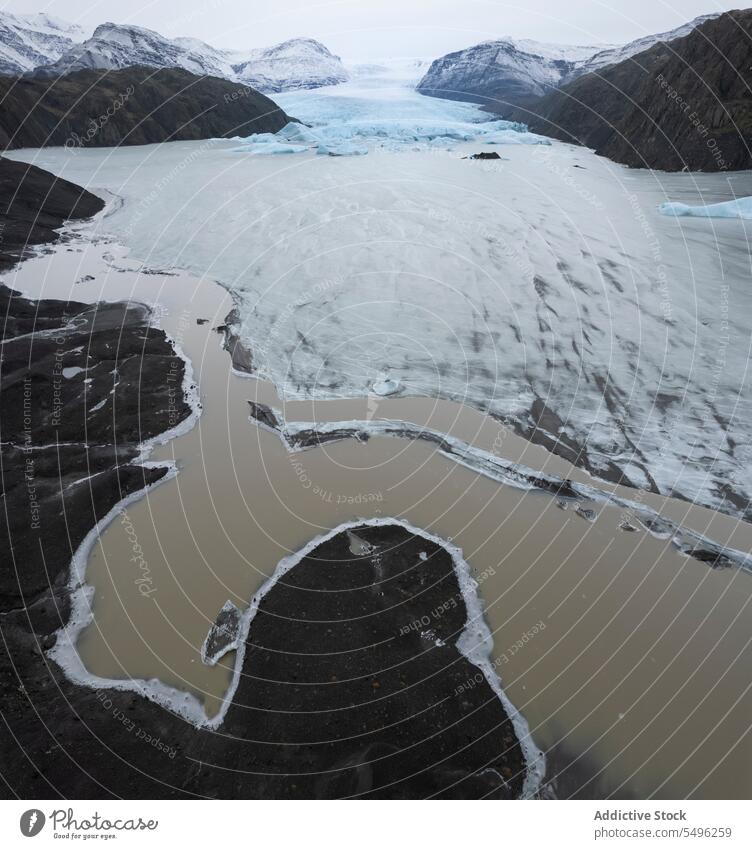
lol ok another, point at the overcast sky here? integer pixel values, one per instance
(368, 29)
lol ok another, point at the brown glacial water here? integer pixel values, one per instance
(629, 661)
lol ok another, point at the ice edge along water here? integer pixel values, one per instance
(507, 473)
(475, 642)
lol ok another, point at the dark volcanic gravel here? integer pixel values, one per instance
(345, 691)
(81, 386)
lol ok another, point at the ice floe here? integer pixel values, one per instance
(386, 386)
(301, 436)
(71, 371)
(739, 208)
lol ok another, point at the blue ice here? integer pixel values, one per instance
(739, 208)
(352, 118)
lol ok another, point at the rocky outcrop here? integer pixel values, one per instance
(82, 386)
(130, 106)
(34, 204)
(345, 693)
(687, 105)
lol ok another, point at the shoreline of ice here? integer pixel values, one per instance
(304, 436)
(475, 646)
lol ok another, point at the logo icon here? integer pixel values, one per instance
(32, 822)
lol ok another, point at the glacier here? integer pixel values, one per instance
(381, 109)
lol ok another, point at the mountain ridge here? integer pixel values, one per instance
(137, 105)
(677, 106)
(292, 64)
(513, 70)
(27, 41)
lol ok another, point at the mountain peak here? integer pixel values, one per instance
(292, 64)
(295, 63)
(509, 70)
(27, 41)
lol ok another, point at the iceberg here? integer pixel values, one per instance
(514, 136)
(265, 144)
(385, 386)
(739, 208)
(342, 149)
(298, 134)
(275, 148)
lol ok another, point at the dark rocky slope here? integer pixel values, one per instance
(130, 106)
(81, 386)
(341, 695)
(66, 460)
(33, 204)
(683, 105)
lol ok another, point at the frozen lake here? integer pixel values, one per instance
(544, 287)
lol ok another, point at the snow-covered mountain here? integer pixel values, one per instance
(298, 63)
(27, 41)
(511, 69)
(114, 46)
(507, 68)
(294, 64)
